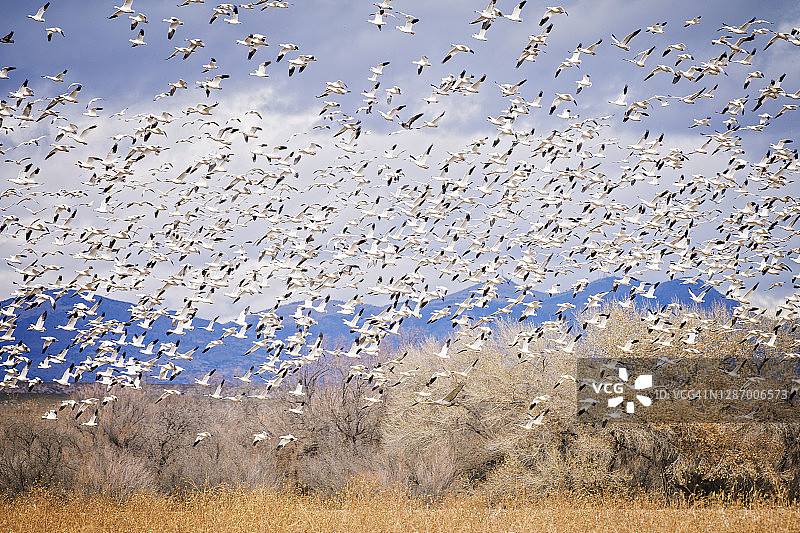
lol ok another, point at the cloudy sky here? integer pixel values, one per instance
(97, 54)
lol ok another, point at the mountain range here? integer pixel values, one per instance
(228, 358)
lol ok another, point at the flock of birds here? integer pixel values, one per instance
(338, 207)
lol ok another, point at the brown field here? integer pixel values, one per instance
(368, 509)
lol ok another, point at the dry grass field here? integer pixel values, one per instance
(365, 508)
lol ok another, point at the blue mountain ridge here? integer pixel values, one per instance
(229, 358)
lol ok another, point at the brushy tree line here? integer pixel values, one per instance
(413, 440)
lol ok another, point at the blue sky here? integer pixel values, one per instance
(97, 54)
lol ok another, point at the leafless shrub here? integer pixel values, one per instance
(480, 429)
(31, 454)
(111, 472)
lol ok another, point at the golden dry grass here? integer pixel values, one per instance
(366, 509)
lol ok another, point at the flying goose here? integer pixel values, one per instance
(124, 9)
(39, 16)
